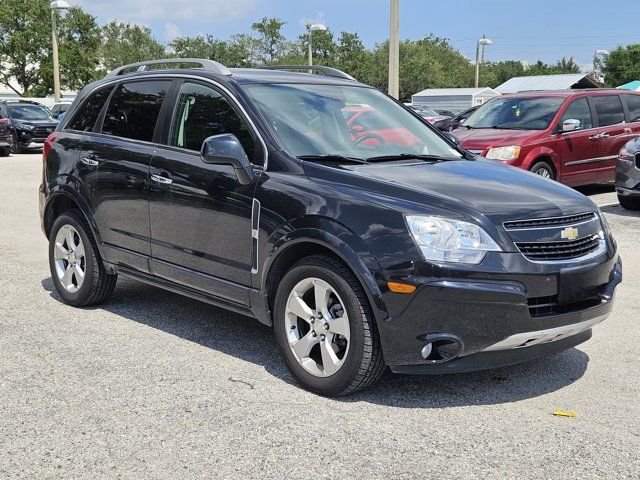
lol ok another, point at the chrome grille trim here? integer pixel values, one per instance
(549, 222)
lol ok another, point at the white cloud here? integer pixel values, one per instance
(171, 31)
(145, 12)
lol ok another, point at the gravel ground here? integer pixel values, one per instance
(154, 385)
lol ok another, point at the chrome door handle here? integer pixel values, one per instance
(160, 179)
(91, 162)
(595, 137)
(604, 135)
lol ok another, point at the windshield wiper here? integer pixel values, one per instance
(407, 156)
(332, 157)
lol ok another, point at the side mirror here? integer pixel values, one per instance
(452, 138)
(570, 125)
(226, 149)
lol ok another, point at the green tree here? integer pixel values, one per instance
(270, 43)
(124, 43)
(622, 65)
(566, 65)
(322, 45)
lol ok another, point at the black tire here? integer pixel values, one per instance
(98, 285)
(539, 168)
(629, 203)
(4, 152)
(15, 148)
(364, 363)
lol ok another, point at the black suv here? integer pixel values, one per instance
(29, 123)
(252, 189)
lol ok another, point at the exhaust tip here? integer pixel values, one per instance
(440, 347)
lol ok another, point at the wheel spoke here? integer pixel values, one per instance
(60, 252)
(329, 359)
(321, 293)
(80, 250)
(339, 325)
(71, 243)
(303, 346)
(299, 307)
(79, 274)
(67, 278)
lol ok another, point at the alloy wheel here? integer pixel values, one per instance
(317, 327)
(69, 257)
(543, 172)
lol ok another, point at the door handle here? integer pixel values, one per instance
(90, 161)
(595, 137)
(604, 135)
(161, 180)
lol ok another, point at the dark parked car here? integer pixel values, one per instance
(441, 122)
(457, 120)
(572, 136)
(628, 175)
(446, 113)
(245, 188)
(29, 123)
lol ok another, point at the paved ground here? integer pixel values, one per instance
(153, 385)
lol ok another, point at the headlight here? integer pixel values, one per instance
(446, 240)
(627, 154)
(28, 128)
(504, 153)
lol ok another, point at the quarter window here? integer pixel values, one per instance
(633, 105)
(579, 110)
(609, 110)
(202, 112)
(134, 109)
(85, 119)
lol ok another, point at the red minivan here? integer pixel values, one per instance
(572, 136)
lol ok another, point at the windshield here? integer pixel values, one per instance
(528, 113)
(344, 121)
(29, 112)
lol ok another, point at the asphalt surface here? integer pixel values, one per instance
(154, 385)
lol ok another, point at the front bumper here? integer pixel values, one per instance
(627, 179)
(500, 317)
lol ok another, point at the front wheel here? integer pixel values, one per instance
(544, 170)
(325, 329)
(629, 203)
(15, 148)
(76, 269)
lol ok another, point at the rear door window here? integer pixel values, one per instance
(633, 106)
(608, 109)
(86, 116)
(134, 109)
(578, 110)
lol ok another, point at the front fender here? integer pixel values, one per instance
(341, 241)
(541, 151)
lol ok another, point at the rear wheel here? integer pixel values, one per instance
(629, 203)
(325, 329)
(76, 269)
(544, 170)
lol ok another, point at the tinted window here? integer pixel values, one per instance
(86, 117)
(202, 112)
(633, 105)
(609, 110)
(134, 109)
(579, 110)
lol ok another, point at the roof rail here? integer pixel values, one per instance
(332, 72)
(208, 65)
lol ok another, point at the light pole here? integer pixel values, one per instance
(394, 49)
(596, 54)
(480, 54)
(55, 6)
(313, 27)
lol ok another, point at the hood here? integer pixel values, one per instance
(38, 123)
(481, 138)
(472, 188)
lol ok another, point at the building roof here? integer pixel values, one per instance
(548, 82)
(635, 86)
(443, 92)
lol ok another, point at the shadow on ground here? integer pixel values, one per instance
(251, 341)
(618, 210)
(596, 188)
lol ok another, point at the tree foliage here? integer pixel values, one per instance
(622, 65)
(124, 43)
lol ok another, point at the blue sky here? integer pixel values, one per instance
(522, 30)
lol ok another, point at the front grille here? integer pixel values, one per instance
(549, 251)
(549, 222)
(547, 306)
(42, 132)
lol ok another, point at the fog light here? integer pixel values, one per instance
(426, 350)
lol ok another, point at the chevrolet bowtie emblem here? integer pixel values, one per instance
(569, 233)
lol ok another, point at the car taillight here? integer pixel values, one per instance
(48, 143)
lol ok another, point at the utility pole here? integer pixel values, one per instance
(480, 55)
(56, 62)
(394, 49)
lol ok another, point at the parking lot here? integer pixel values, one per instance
(155, 385)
